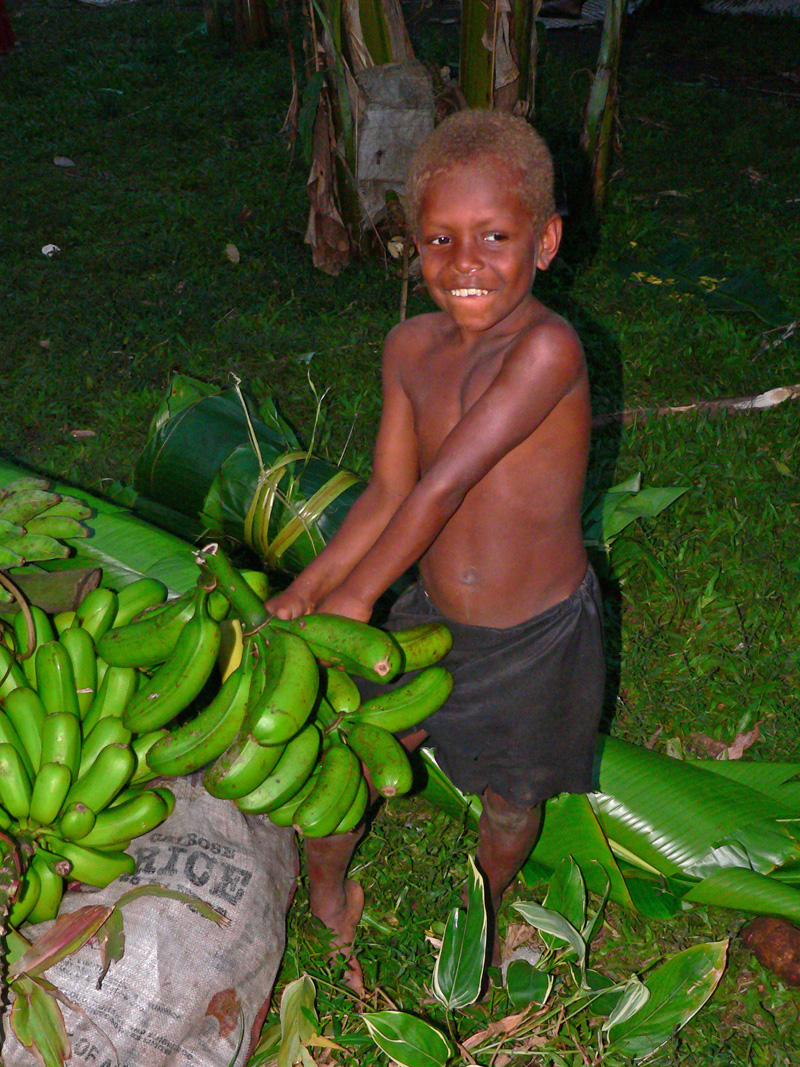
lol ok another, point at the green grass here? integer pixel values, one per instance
(179, 152)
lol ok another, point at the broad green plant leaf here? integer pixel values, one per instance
(678, 990)
(748, 890)
(458, 972)
(551, 922)
(634, 996)
(407, 1040)
(298, 1019)
(566, 894)
(38, 1024)
(526, 984)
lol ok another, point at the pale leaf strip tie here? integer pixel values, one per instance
(256, 527)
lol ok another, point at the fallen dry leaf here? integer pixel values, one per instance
(517, 934)
(63, 161)
(501, 1026)
(232, 252)
(80, 435)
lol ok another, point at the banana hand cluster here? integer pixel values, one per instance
(286, 733)
(32, 522)
(71, 772)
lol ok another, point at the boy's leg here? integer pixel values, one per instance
(334, 899)
(506, 836)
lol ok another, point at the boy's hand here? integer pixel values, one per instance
(288, 605)
(340, 602)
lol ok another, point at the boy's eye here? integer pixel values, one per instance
(495, 237)
(439, 241)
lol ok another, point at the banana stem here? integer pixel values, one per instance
(233, 586)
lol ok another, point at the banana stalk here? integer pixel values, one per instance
(498, 54)
(597, 139)
(668, 834)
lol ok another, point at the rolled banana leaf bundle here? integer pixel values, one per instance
(214, 465)
(666, 834)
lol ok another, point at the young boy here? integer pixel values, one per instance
(478, 476)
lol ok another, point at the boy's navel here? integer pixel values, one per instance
(469, 576)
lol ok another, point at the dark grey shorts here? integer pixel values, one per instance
(526, 702)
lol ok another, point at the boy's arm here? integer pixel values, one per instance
(395, 470)
(534, 378)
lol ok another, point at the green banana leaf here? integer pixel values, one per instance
(666, 834)
(126, 547)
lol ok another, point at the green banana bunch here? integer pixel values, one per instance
(202, 739)
(288, 776)
(285, 688)
(383, 756)
(180, 678)
(355, 647)
(149, 640)
(68, 764)
(423, 645)
(407, 705)
(335, 789)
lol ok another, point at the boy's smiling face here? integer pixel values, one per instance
(478, 245)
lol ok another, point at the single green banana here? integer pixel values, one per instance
(43, 632)
(96, 612)
(51, 890)
(80, 648)
(6, 821)
(136, 816)
(289, 690)
(62, 621)
(383, 756)
(9, 557)
(206, 736)
(50, 788)
(113, 696)
(136, 597)
(107, 776)
(59, 526)
(258, 582)
(12, 675)
(76, 822)
(167, 796)
(408, 704)
(423, 645)
(55, 679)
(35, 547)
(289, 774)
(218, 605)
(178, 681)
(30, 888)
(22, 505)
(71, 507)
(284, 815)
(341, 691)
(61, 741)
(106, 732)
(141, 746)
(149, 640)
(357, 809)
(23, 484)
(330, 799)
(15, 784)
(25, 709)
(94, 866)
(354, 646)
(242, 766)
(10, 736)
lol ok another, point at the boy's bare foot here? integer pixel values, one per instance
(341, 916)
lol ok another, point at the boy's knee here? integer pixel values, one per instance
(505, 816)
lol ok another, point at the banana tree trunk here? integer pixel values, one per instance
(597, 139)
(498, 54)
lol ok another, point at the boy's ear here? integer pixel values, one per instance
(549, 242)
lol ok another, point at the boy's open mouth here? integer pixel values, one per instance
(469, 292)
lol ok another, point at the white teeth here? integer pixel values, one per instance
(469, 292)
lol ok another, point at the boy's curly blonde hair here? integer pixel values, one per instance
(468, 136)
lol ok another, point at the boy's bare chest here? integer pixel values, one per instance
(444, 385)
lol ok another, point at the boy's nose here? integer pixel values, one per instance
(466, 256)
